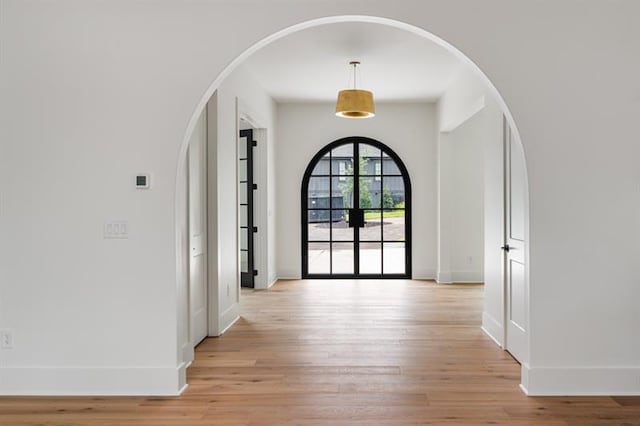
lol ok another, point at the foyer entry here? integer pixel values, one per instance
(356, 212)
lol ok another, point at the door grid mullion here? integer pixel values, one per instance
(356, 206)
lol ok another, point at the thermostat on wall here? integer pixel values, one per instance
(142, 181)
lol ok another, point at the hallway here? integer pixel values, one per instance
(343, 352)
(373, 352)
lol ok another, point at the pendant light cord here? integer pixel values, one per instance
(355, 71)
(354, 74)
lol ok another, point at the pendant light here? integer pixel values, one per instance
(355, 103)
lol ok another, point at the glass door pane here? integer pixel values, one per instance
(319, 258)
(370, 258)
(394, 257)
(342, 258)
(393, 225)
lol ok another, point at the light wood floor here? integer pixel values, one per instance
(343, 352)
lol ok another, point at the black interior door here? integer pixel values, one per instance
(246, 190)
(356, 212)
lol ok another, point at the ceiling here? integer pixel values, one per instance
(313, 64)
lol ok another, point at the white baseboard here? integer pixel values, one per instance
(87, 381)
(265, 284)
(182, 376)
(260, 285)
(228, 318)
(289, 274)
(459, 277)
(423, 274)
(585, 381)
(492, 328)
(444, 277)
(467, 276)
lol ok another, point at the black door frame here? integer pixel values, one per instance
(356, 141)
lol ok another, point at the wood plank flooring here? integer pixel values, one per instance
(343, 353)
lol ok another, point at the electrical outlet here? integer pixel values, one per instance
(227, 290)
(6, 339)
(470, 260)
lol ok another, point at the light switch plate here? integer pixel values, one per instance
(6, 339)
(116, 229)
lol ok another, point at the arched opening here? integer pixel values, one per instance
(356, 212)
(500, 332)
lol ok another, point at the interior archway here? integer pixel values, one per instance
(180, 219)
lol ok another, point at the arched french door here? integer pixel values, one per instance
(356, 212)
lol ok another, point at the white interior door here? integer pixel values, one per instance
(198, 236)
(514, 248)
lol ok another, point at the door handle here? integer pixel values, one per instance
(356, 218)
(506, 247)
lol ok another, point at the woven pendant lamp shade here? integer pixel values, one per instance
(355, 103)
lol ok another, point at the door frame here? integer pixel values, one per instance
(304, 209)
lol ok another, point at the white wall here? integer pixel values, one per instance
(467, 186)
(465, 96)
(460, 180)
(239, 90)
(93, 92)
(469, 114)
(408, 129)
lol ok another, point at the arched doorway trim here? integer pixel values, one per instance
(180, 216)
